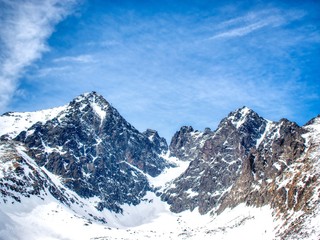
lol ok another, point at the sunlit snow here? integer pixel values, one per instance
(14, 123)
(37, 219)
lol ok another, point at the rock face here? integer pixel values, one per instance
(284, 173)
(216, 159)
(187, 142)
(96, 152)
(253, 161)
(21, 177)
(282, 146)
(160, 143)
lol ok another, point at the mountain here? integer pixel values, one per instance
(94, 151)
(84, 166)
(283, 172)
(254, 161)
(216, 158)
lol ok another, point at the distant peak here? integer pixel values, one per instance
(241, 115)
(89, 96)
(92, 94)
(151, 134)
(96, 102)
(186, 129)
(315, 120)
(244, 110)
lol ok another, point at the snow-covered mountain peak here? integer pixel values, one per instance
(314, 121)
(96, 152)
(13, 123)
(91, 97)
(244, 110)
(241, 115)
(94, 101)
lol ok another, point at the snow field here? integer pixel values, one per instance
(36, 219)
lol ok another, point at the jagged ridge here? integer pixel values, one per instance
(216, 159)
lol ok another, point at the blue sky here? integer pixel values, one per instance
(163, 64)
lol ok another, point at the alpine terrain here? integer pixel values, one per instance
(81, 171)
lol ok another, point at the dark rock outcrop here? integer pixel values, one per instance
(160, 143)
(97, 152)
(187, 142)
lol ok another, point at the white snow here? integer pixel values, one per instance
(151, 138)
(98, 110)
(14, 123)
(37, 219)
(266, 131)
(191, 193)
(243, 112)
(169, 173)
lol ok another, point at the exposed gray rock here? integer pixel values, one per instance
(216, 159)
(23, 179)
(97, 152)
(281, 147)
(160, 143)
(186, 143)
(281, 173)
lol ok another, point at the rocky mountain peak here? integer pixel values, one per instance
(151, 134)
(315, 120)
(91, 98)
(241, 117)
(96, 152)
(246, 123)
(216, 159)
(92, 102)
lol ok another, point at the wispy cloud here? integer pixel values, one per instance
(253, 21)
(76, 59)
(25, 27)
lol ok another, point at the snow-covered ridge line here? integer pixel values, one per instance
(13, 123)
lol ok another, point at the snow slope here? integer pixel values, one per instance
(37, 220)
(12, 123)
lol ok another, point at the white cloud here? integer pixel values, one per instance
(253, 21)
(78, 59)
(25, 27)
(241, 31)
